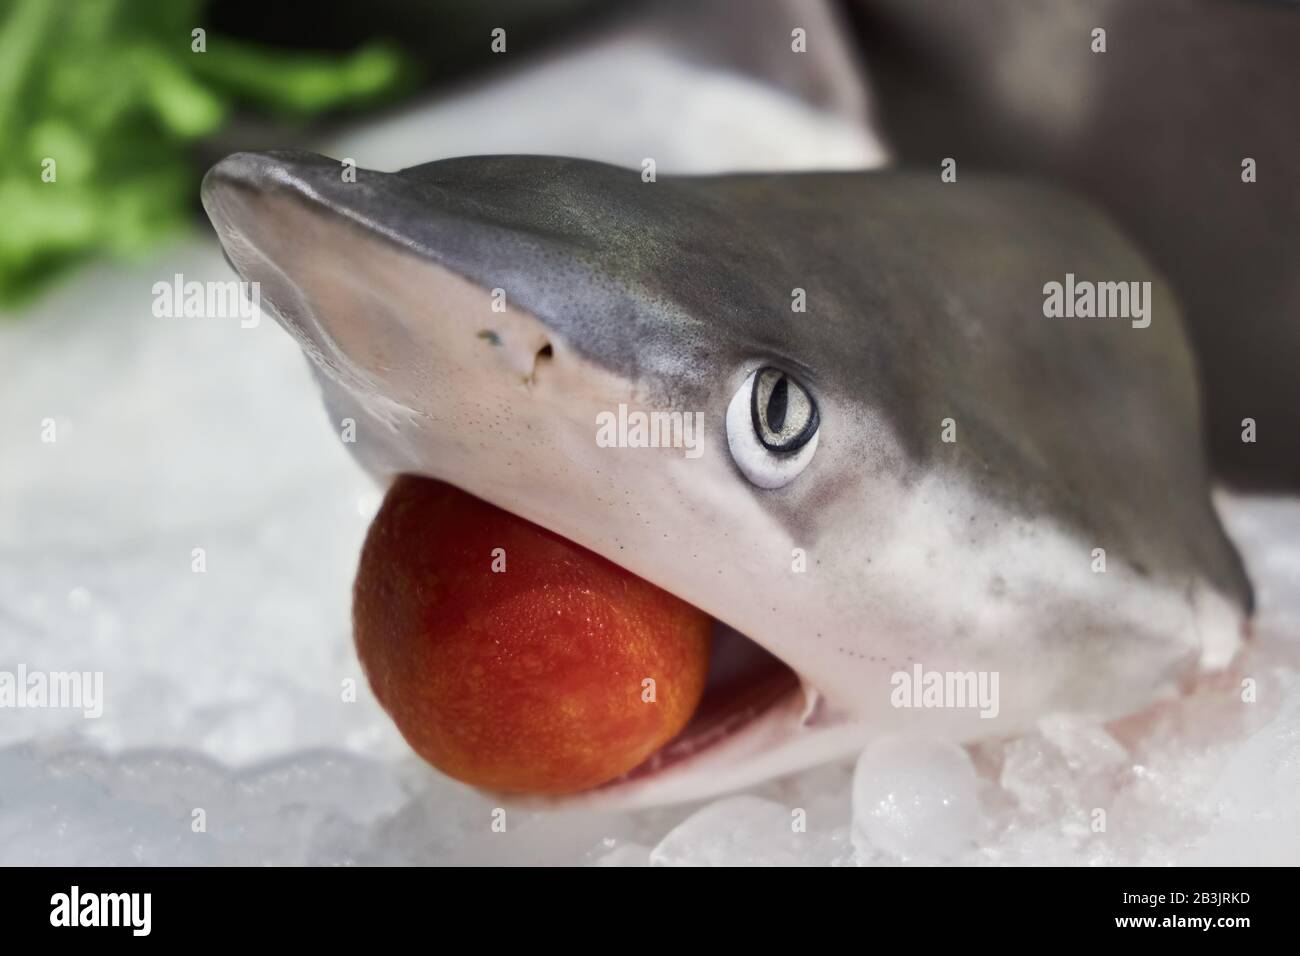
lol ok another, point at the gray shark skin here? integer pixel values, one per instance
(1153, 130)
(924, 303)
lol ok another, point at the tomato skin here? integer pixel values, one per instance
(528, 680)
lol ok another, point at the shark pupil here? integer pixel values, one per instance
(776, 404)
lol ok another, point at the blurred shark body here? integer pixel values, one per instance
(1174, 116)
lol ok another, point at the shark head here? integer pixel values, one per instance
(827, 409)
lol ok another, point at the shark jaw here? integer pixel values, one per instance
(863, 567)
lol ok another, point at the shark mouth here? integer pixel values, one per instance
(757, 720)
(745, 682)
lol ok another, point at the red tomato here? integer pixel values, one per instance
(533, 678)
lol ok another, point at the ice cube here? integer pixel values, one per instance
(746, 831)
(916, 800)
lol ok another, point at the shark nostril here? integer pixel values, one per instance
(541, 358)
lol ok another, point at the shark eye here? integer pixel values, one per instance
(772, 426)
